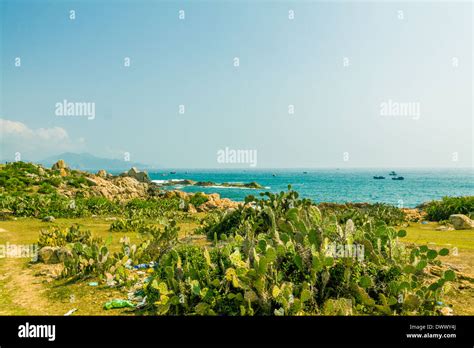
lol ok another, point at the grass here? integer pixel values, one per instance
(28, 288)
(461, 297)
(423, 234)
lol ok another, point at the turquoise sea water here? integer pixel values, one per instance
(337, 185)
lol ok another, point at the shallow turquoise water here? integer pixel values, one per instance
(338, 185)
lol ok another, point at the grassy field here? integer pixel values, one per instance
(29, 289)
(461, 246)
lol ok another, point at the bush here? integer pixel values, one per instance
(197, 199)
(151, 208)
(363, 212)
(441, 210)
(61, 237)
(281, 261)
(46, 188)
(54, 181)
(41, 205)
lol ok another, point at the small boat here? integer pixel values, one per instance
(305, 172)
(399, 178)
(172, 172)
(274, 175)
(392, 173)
(379, 177)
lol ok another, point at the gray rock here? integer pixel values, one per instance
(48, 255)
(63, 254)
(461, 222)
(102, 173)
(136, 174)
(59, 165)
(49, 219)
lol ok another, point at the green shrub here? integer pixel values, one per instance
(46, 188)
(60, 237)
(151, 208)
(363, 212)
(280, 262)
(54, 181)
(197, 199)
(441, 210)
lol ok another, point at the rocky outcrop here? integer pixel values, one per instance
(118, 188)
(252, 185)
(461, 222)
(51, 255)
(191, 209)
(187, 182)
(136, 174)
(215, 202)
(62, 167)
(205, 183)
(48, 219)
(176, 193)
(102, 174)
(414, 215)
(59, 165)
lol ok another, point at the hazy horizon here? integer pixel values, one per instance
(317, 84)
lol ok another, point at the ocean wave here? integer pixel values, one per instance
(166, 181)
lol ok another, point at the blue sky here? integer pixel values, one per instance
(424, 58)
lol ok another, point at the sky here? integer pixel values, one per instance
(317, 84)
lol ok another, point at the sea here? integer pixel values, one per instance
(333, 185)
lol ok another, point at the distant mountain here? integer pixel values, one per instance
(86, 161)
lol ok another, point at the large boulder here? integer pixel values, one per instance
(48, 255)
(136, 174)
(461, 222)
(191, 209)
(63, 254)
(120, 188)
(59, 165)
(102, 173)
(51, 255)
(41, 171)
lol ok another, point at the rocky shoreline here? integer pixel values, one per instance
(187, 182)
(135, 184)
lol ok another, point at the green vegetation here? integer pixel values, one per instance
(197, 199)
(441, 210)
(276, 263)
(41, 205)
(274, 255)
(361, 213)
(61, 237)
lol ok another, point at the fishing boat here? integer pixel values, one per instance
(379, 177)
(392, 173)
(172, 172)
(399, 178)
